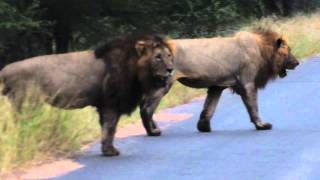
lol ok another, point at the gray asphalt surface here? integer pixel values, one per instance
(234, 150)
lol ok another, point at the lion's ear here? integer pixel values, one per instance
(140, 47)
(280, 42)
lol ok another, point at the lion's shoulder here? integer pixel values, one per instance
(246, 37)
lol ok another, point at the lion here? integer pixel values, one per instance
(115, 78)
(244, 63)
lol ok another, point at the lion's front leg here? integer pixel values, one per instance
(249, 98)
(148, 106)
(108, 121)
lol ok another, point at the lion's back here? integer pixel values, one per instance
(72, 75)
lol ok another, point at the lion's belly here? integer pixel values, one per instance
(202, 63)
(72, 95)
(205, 82)
(73, 89)
(203, 73)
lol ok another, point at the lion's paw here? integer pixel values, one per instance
(110, 151)
(263, 126)
(154, 132)
(204, 126)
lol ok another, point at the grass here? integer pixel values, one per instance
(44, 132)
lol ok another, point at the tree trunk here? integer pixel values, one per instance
(62, 37)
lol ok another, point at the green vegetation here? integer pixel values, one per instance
(34, 27)
(42, 132)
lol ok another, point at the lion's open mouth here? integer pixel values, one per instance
(284, 70)
(163, 77)
(161, 80)
(283, 73)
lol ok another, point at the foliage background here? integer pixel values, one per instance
(33, 27)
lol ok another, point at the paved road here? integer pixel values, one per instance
(234, 150)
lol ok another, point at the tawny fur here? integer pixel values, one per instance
(244, 62)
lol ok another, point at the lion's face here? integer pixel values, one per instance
(161, 63)
(158, 58)
(288, 61)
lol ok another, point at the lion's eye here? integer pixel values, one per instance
(158, 58)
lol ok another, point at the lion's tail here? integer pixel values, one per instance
(1, 77)
(2, 83)
(4, 89)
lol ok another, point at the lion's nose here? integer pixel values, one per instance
(170, 70)
(292, 65)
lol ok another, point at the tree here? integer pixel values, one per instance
(65, 15)
(21, 29)
(34, 27)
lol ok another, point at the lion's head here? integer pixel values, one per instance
(135, 64)
(149, 55)
(155, 58)
(285, 57)
(276, 51)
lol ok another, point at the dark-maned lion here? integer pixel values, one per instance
(115, 78)
(245, 63)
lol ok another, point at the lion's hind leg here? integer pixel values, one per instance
(212, 99)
